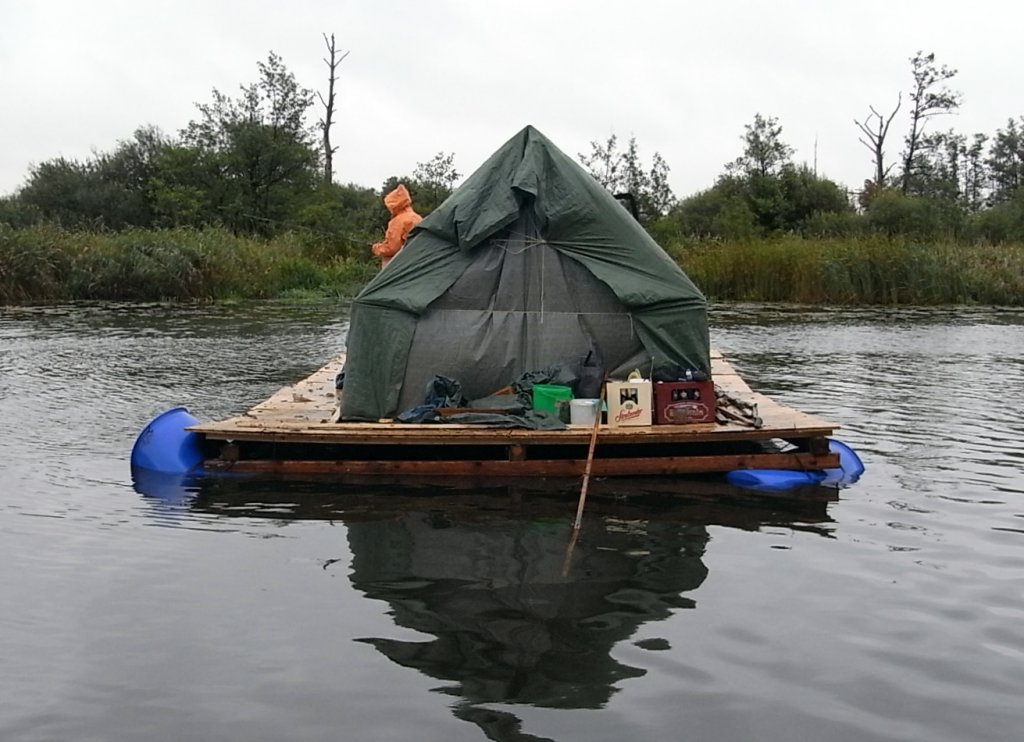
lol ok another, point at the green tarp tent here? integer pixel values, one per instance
(531, 262)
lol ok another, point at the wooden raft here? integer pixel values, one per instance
(293, 432)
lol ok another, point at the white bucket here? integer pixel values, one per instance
(583, 411)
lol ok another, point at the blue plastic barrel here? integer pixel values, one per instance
(171, 490)
(850, 465)
(849, 471)
(165, 446)
(773, 479)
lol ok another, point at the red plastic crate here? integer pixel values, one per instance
(683, 402)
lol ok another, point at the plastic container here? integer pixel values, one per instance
(547, 396)
(165, 446)
(583, 411)
(849, 471)
(682, 402)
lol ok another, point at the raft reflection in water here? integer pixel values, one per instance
(507, 625)
(484, 577)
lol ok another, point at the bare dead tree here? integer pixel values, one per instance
(332, 62)
(876, 128)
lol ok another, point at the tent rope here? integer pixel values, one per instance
(529, 241)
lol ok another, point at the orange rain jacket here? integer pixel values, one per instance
(403, 219)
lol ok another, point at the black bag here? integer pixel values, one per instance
(590, 377)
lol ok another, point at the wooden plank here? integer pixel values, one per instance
(534, 468)
(468, 435)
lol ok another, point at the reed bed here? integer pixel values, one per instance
(46, 264)
(866, 270)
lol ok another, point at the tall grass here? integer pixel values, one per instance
(866, 270)
(45, 264)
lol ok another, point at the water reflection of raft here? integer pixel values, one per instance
(294, 432)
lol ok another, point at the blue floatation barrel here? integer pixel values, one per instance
(850, 465)
(165, 446)
(172, 490)
(849, 471)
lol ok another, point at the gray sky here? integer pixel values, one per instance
(463, 76)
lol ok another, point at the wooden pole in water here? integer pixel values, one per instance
(590, 461)
(586, 482)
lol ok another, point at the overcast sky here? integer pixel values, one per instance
(463, 76)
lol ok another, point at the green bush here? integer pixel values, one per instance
(17, 213)
(831, 224)
(1001, 224)
(893, 214)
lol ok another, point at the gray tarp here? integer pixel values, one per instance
(530, 262)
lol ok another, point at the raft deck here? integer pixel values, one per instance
(294, 432)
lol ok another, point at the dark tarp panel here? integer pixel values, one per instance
(519, 307)
(530, 262)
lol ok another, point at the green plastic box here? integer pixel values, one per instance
(547, 396)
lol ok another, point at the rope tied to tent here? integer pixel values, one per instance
(528, 241)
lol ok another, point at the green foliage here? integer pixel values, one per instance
(974, 175)
(14, 212)
(1001, 224)
(767, 201)
(182, 264)
(48, 264)
(1006, 162)
(891, 213)
(341, 222)
(721, 212)
(764, 152)
(253, 161)
(941, 168)
(425, 196)
(763, 193)
(430, 184)
(236, 206)
(34, 264)
(740, 207)
(805, 194)
(624, 172)
(110, 190)
(65, 192)
(434, 181)
(873, 270)
(833, 224)
(929, 97)
(248, 164)
(666, 231)
(185, 192)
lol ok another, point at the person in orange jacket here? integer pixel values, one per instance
(403, 219)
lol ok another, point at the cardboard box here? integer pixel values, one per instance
(629, 402)
(683, 402)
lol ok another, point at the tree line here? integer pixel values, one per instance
(942, 185)
(250, 164)
(253, 165)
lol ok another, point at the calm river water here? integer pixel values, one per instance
(258, 611)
